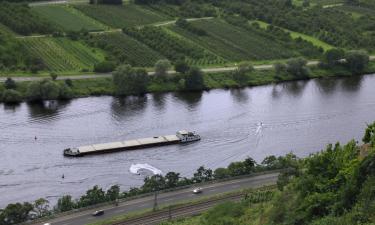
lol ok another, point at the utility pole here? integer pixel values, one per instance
(155, 200)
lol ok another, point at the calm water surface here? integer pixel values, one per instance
(299, 116)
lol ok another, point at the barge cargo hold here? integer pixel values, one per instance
(179, 137)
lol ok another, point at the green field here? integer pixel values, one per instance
(68, 18)
(122, 16)
(234, 43)
(174, 47)
(305, 37)
(63, 55)
(125, 49)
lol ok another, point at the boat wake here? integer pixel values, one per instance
(141, 167)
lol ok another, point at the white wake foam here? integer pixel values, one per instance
(135, 168)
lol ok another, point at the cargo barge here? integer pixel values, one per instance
(180, 137)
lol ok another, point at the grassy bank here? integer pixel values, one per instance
(104, 86)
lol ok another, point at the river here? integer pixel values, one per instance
(301, 117)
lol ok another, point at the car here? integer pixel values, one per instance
(98, 213)
(46, 224)
(197, 190)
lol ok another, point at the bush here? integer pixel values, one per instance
(10, 84)
(357, 61)
(45, 90)
(194, 79)
(53, 76)
(130, 81)
(333, 56)
(297, 67)
(11, 96)
(162, 66)
(104, 67)
(280, 68)
(181, 66)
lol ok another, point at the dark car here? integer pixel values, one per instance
(98, 213)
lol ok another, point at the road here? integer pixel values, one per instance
(168, 198)
(103, 75)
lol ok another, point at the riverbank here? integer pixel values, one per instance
(104, 86)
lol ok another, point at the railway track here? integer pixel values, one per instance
(178, 211)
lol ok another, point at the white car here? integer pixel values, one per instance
(197, 190)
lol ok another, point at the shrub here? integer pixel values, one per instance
(280, 68)
(11, 96)
(130, 81)
(357, 61)
(194, 79)
(53, 76)
(104, 67)
(10, 84)
(162, 66)
(333, 56)
(181, 66)
(297, 67)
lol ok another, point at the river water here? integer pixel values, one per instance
(300, 116)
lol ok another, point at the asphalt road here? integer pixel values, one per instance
(164, 199)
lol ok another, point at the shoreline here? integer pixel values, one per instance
(103, 86)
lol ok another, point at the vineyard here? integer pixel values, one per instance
(174, 47)
(125, 49)
(62, 55)
(67, 18)
(235, 43)
(122, 16)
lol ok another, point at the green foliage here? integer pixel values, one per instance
(240, 75)
(12, 54)
(194, 79)
(104, 67)
(15, 213)
(62, 54)
(162, 67)
(333, 56)
(47, 90)
(129, 15)
(181, 66)
(357, 61)
(123, 49)
(369, 137)
(297, 67)
(93, 196)
(41, 207)
(223, 214)
(10, 83)
(202, 175)
(20, 19)
(171, 46)
(67, 18)
(65, 203)
(130, 81)
(11, 96)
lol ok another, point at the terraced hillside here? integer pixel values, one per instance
(68, 18)
(122, 16)
(174, 47)
(234, 43)
(125, 49)
(63, 55)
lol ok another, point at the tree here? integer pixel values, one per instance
(333, 56)
(65, 92)
(357, 61)
(181, 66)
(221, 173)
(104, 67)
(128, 81)
(194, 79)
(15, 213)
(153, 183)
(53, 76)
(10, 84)
(41, 207)
(113, 193)
(240, 74)
(11, 96)
(270, 162)
(65, 203)
(93, 196)
(297, 67)
(280, 68)
(369, 137)
(162, 66)
(172, 179)
(202, 175)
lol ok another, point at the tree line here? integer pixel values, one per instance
(20, 212)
